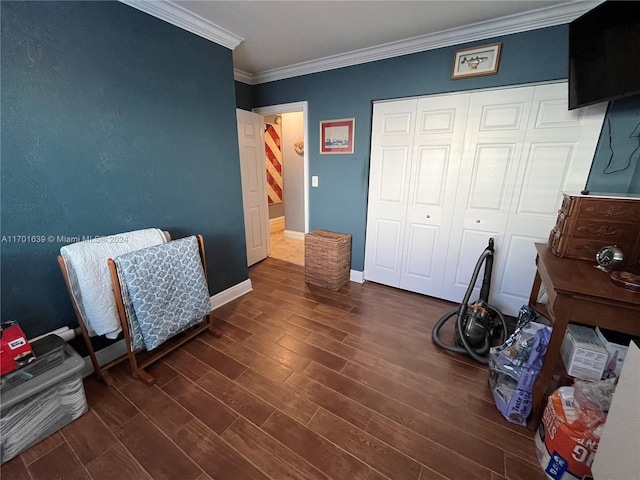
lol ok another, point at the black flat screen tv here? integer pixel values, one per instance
(604, 54)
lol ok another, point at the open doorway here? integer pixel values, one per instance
(286, 160)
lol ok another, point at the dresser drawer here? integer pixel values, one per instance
(586, 224)
(586, 249)
(610, 210)
(606, 231)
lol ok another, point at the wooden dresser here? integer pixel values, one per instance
(576, 292)
(586, 223)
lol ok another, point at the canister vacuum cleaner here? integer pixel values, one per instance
(477, 324)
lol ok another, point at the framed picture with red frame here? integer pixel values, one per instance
(337, 136)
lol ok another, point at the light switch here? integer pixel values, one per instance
(314, 181)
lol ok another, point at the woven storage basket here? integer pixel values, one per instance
(327, 258)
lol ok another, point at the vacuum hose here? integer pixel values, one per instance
(477, 353)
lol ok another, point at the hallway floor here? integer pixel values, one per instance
(286, 249)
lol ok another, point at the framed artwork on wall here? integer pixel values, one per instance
(337, 136)
(476, 61)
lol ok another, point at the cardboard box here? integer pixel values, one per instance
(583, 354)
(617, 345)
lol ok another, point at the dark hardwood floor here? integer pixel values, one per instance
(305, 384)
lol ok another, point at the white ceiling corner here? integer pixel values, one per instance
(183, 18)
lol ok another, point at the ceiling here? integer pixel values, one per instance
(279, 39)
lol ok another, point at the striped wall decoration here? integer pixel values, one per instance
(274, 163)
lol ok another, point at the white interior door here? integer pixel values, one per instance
(556, 158)
(495, 133)
(440, 123)
(414, 171)
(523, 149)
(254, 196)
(391, 151)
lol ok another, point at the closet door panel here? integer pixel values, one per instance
(391, 155)
(544, 168)
(431, 175)
(394, 166)
(489, 187)
(514, 284)
(419, 265)
(556, 158)
(561, 140)
(496, 128)
(500, 115)
(546, 171)
(387, 226)
(424, 217)
(434, 175)
(387, 246)
(472, 244)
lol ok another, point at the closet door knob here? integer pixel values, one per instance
(428, 216)
(477, 221)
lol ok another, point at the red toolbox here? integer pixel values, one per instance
(15, 350)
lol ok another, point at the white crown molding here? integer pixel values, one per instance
(546, 17)
(177, 15)
(242, 76)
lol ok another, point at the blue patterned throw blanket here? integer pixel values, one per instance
(164, 291)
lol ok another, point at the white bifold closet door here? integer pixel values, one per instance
(415, 159)
(449, 172)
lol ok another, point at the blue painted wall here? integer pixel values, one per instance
(112, 120)
(616, 163)
(340, 201)
(244, 96)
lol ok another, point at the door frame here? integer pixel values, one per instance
(289, 108)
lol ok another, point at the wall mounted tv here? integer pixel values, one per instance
(604, 54)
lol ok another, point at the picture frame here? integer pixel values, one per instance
(476, 61)
(337, 136)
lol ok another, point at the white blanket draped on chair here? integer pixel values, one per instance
(89, 278)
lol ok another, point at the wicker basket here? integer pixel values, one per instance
(327, 258)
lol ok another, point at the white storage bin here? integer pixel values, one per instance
(41, 406)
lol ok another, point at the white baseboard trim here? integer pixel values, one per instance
(224, 297)
(104, 356)
(293, 234)
(119, 348)
(356, 276)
